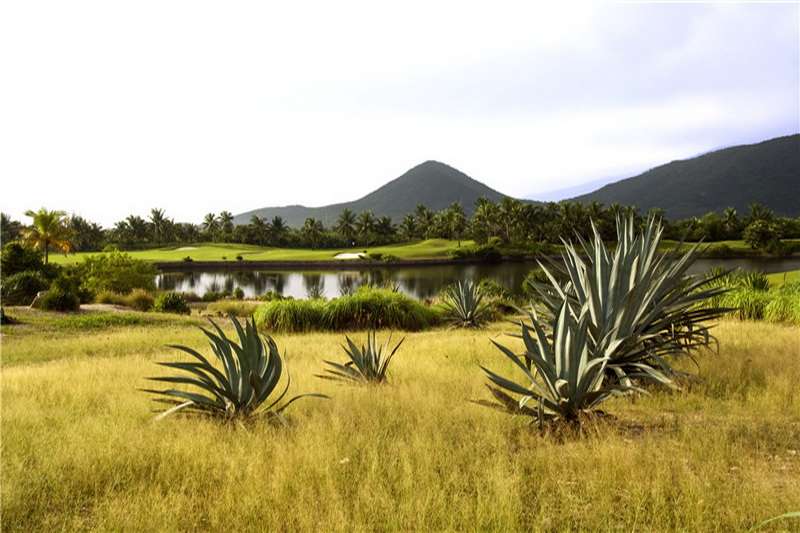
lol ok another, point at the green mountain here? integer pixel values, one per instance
(431, 183)
(767, 172)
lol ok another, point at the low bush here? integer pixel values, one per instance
(213, 296)
(238, 293)
(719, 250)
(171, 302)
(21, 288)
(64, 294)
(366, 308)
(117, 272)
(138, 299)
(272, 295)
(485, 252)
(290, 315)
(191, 297)
(232, 307)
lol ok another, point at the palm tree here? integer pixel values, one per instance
(730, 220)
(365, 225)
(424, 218)
(408, 227)
(226, 224)
(278, 229)
(210, 223)
(456, 221)
(260, 229)
(48, 229)
(385, 228)
(312, 231)
(345, 224)
(158, 221)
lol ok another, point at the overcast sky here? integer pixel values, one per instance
(109, 108)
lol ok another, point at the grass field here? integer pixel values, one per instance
(431, 248)
(780, 278)
(80, 449)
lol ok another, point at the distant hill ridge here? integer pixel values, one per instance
(431, 183)
(767, 172)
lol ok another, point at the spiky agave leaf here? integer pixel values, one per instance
(637, 296)
(465, 306)
(367, 364)
(249, 376)
(564, 379)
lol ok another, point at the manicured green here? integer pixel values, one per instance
(427, 249)
(780, 278)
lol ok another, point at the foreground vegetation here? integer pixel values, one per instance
(80, 449)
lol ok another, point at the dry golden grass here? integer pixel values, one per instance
(80, 450)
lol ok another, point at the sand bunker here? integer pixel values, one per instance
(184, 248)
(350, 255)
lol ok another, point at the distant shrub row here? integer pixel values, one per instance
(366, 308)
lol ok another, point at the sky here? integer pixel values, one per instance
(112, 108)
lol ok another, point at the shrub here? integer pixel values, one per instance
(21, 288)
(109, 297)
(290, 315)
(783, 307)
(375, 256)
(389, 258)
(191, 297)
(465, 306)
(232, 307)
(110, 248)
(720, 250)
(171, 302)
(270, 296)
(238, 293)
(370, 308)
(250, 373)
(756, 281)
(485, 252)
(140, 300)
(368, 364)
(366, 308)
(213, 296)
(747, 304)
(16, 258)
(492, 289)
(118, 272)
(239, 258)
(63, 295)
(188, 259)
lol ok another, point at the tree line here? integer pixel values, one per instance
(508, 222)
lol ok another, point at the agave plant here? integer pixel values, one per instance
(249, 376)
(641, 300)
(367, 364)
(465, 305)
(564, 377)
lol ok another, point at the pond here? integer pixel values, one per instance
(419, 282)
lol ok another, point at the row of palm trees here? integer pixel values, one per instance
(510, 221)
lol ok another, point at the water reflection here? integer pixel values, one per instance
(418, 282)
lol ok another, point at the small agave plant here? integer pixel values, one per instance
(563, 379)
(247, 380)
(368, 363)
(465, 305)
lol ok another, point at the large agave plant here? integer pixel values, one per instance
(642, 301)
(248, 378)
(368, 363)
(564, 377)
(465, 305)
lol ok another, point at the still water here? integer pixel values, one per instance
(418, 282)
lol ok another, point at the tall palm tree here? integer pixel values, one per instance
(210, 223)
(385, 228)
(408, 227)
(365, 225)
(312, 231)
(48, 230)
(260, 229)
(345, 224)
(424, 218)
(730, 220)
(226, 224)
(158, 220)
(278, 229)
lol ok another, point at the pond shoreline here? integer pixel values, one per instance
(354, 264)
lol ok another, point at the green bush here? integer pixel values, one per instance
(16, 258)
(748, 304)
(720, 250)
(21, 288)
(238, 293)
(272, 295)
(140, 300)
(117, 272)
(366, 308)
(171, 302)
(213, 296)
(290, 315)
(63, 295)
(485, 252)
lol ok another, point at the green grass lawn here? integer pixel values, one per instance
(81, 451)
(780, 278)
(428, 249)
